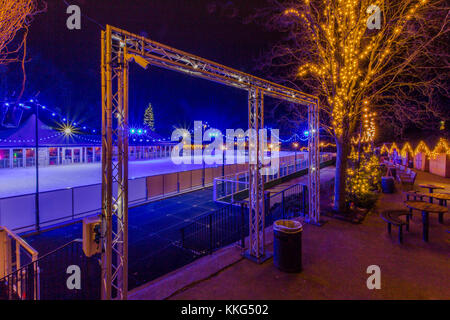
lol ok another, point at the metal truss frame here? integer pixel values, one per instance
(256, 249)
(114, 172)
(313, 165)
(119, 47)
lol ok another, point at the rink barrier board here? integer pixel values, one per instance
(70, 204)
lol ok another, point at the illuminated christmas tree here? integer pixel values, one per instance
(149, 118)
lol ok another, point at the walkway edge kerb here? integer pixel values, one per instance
(189, 275)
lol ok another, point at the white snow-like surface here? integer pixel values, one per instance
(20, 181)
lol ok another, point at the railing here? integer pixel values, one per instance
(286, 204)
(215, 230)
(71, 159)
(14, 253)
(228, 187)
(230, 224)
(46, 278)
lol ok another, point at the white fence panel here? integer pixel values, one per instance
(55, 205)
(87, 199)
(17, 212)
(137, 190)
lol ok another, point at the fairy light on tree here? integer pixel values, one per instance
(364, 174)
(397, 69)
(367, 126)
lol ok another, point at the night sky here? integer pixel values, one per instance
(65, 64)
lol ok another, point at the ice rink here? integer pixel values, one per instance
(21, 181)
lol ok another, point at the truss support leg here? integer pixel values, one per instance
(114, 169)
(256, 251)
(314, 165)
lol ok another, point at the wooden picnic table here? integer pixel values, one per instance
(413, 194)
(430, 187)
(426, 208)
(442, 197)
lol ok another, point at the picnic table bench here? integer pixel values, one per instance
(392, 217)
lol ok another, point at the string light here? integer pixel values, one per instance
(442, 147)
(76, 128)
(291, 11)
(368, 126)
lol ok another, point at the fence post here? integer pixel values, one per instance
(232, 192)
(5, 254)
(282, 204)
(242, 225)
(304, 198)
(267, 207)
(267, 204)
(182, 237)
(73, 205)
(203, 173)
(295, 161)
(210, 234)
(298, 193)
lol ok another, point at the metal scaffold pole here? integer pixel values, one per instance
(106, 167)
(115, 171)
(256, 250)
(314, 164)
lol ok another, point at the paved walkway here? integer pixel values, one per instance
(335, 260)
(326, 174)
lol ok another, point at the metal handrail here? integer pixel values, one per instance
(32, 252)
(288, 188)
(284, 166)
(59, 248)
(19, 272)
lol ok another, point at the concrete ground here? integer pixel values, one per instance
(335, 260)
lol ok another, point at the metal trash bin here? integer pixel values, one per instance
(387, 184)
(287, 245)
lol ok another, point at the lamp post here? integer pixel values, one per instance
(295, 145)
(36, 156)
(224, 148)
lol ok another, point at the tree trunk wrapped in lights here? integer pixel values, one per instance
(334, 48)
